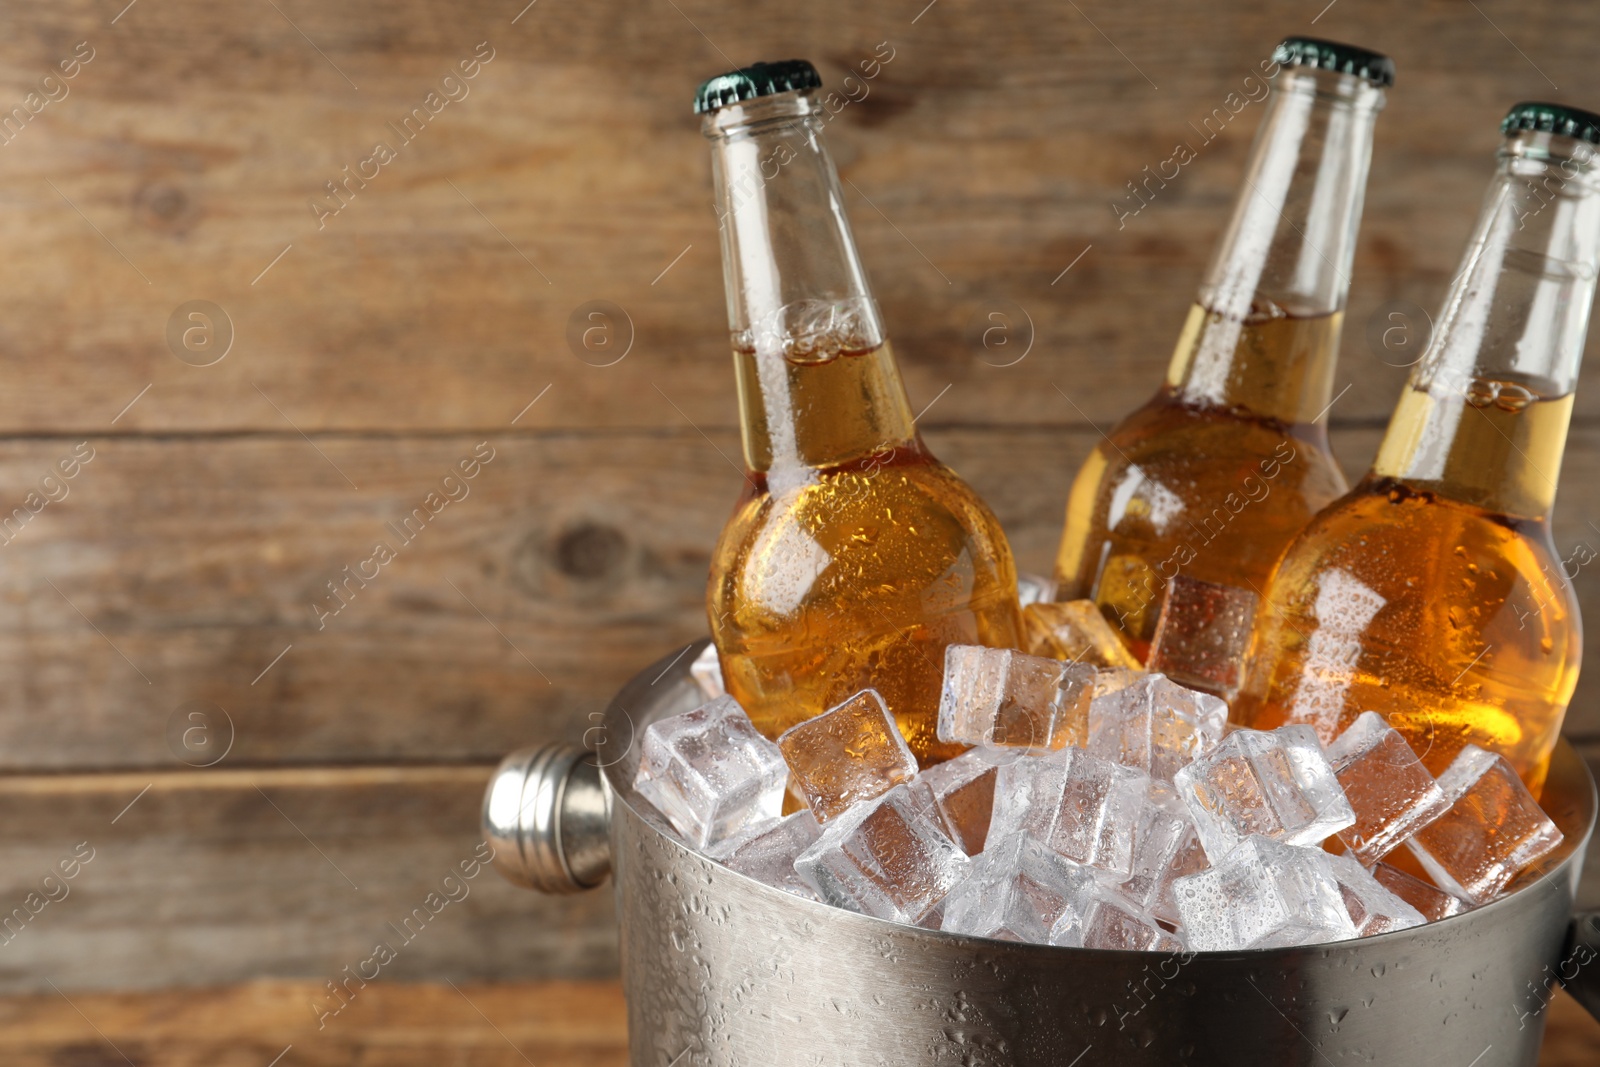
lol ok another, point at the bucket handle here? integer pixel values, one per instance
(1579, 969)
(547, 815)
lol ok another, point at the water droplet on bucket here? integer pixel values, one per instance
(1378, 969)
(1336, 1016)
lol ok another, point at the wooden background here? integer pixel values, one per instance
(373, 353)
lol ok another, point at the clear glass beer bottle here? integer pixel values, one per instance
(1228, 461)
(853, 556)
(1433, 593)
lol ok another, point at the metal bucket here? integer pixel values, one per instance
(722, 971)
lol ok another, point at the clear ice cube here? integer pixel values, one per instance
(849, 754)
(1034, 588)
(710, 772)
(1491, 832)
(1432, 902)
(1202, 635)
(1152, 724)
(1264, 894)
(1273, 783)
(1390, 791)
(1084, 808)
(1017, 891)
(1166, 847)
(767, 851)
(1373, 907)
(1074, 630)
(706, 670)
(999, 696)
(961, 791)
(1109, 921)
(886, 858)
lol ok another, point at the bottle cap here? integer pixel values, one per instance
(1375, 67)
(1553, 118)
(758, 79)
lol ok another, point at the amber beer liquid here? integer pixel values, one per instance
(1433, 592)
(1230, 459)
(853, 557)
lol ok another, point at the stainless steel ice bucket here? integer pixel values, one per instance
(721, 971)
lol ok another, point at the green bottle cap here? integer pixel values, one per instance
(1375, 67)
(1553, 118)
(758, 79)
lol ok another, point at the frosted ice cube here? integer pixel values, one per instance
(999, 696)
(1373, 907)
(1166, 847)
(1492, 830)
(1202, 635)
(961, 790)
(1084, 808)
(1277, 784)
(1077, 631)
(1390, 791)
(1033, 588)
(1109, 921)
(884, 857)
(767, 851)
(846, 755)
(1017, 892)
(1265, 894)
(710, 772)
(706, 670)
(1152, 724)
(1432, 902)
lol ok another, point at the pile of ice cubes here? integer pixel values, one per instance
(1100, 806)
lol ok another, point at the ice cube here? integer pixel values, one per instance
(1264, 894)
(884, 857)
(1202, 635)
(710, 772)
(1374, 908)
(1084, 808)
(961, 791)
(706, 670)
(767, 851)
(1109, 921)
(1432, 902)
(1277, 784)
(1390, 791)
(1150, 723)
(1074, 630)
(848, 754)
(1492, 830)
(1034, 588)
(1017, 891)
(999, 696)
(1166, 847)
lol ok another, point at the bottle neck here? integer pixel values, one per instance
(1263, 335)
(1484, 417)
(818, 384)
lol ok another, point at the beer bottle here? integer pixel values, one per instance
(853, 556)
(1432, 593)
(1229, 460)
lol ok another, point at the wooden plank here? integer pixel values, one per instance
(220, 876)
(196, 138)
(194, 564)
(552, 1024)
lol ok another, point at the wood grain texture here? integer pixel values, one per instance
(204, 877)
(552, 1024)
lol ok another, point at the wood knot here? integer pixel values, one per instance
(590, 551)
